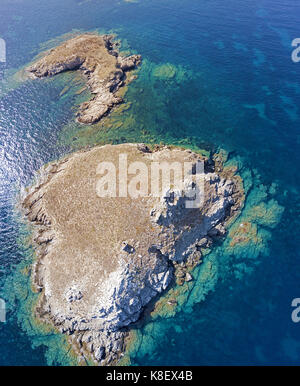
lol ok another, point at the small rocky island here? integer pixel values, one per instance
(98, 59)
(101, 260)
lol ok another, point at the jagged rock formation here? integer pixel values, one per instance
(100, 260)
(99, 61)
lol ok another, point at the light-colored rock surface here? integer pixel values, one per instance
(102, 65)
(101, 260)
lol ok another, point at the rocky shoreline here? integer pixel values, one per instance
(100, 261)
(98, 59)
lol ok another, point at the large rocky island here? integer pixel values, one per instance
(97, 58)
(101, 260)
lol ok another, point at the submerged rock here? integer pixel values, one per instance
(101, 259)
(104, 68)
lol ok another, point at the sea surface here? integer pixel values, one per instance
(216, 75)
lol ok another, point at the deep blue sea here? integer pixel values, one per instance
(215, 75)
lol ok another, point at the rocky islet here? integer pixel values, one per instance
(96, 56)
(100, 261)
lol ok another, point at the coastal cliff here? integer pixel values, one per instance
(98, 59)
(101, 260)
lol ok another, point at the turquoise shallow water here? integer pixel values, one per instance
(215, 75)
